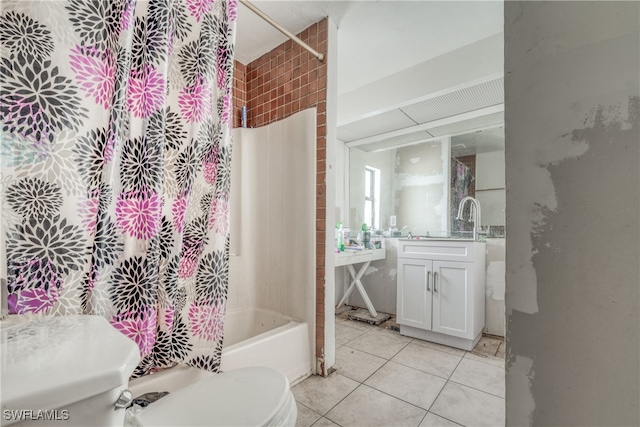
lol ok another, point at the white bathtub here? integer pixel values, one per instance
(256, 337)
(253, 337)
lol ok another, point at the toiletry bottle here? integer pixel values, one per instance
(366, 236)
(339, 244)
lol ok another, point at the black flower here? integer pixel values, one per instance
(162, 349)
(107, 244)
(212, 279)
(47, 98)
(141, 166)
(97, 21)
(208, 363)
(149, 45)
(187, 166)
(166, 238)
(21, 34)
(223, 173)
(205, 203)
(196, 60)
(90, 159)
(134, 285)
(34, 198)
(35, 273)
(174, 130)
(50, 238)
(180, 345)
(145, 367)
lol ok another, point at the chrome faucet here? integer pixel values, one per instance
(474, 214)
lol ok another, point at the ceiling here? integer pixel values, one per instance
(379, 39)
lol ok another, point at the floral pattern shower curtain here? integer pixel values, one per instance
(115, 174)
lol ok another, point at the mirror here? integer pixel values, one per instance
(421, 185)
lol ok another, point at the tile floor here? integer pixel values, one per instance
(385, 379)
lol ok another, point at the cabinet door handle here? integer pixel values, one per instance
(428, 278)
(435, 278)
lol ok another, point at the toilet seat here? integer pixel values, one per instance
(255, 396)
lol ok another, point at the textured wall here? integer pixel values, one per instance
(573, 209)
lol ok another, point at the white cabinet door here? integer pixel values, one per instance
(415, 279)
(452, 296)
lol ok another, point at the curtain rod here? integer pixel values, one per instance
(278, 27)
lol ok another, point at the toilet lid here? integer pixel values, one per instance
(241, 397)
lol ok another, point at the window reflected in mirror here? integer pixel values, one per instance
(422, 184)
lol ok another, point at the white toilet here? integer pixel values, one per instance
(74, 371)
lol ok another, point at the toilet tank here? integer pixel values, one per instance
(67, 370)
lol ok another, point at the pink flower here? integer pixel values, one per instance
(95, 71)
(178, 210)
(233, 10)
(187, 267)
(226, 109)
(169, 314)
(199, 7)
(128, 15)
(207, 320)
(195, 102)
(140, 327)
(33, 300)
(139, 213)
(146, 92)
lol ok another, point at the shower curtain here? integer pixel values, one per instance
(116, 154)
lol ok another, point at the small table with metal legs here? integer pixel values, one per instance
(350, 258)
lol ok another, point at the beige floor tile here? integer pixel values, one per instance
(321, 394)
(487, 345)
(469, 407)
(306, 416)
(323, 422)
(491, 360)
(433, 420)
(356, 364)
(408, 384)
(481, 376)
(369, 407)
(439, 347)
(345, 333)
(362, 326)
(425, 359)
(383, 344)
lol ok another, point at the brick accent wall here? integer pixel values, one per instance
(281, 83)
(239, 91)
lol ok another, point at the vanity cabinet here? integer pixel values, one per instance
(441, 291)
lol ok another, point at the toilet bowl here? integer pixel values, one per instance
(74, 371)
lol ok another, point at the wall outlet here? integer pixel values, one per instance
(392, 221)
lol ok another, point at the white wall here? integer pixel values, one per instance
(273, 218)
(573, 213)
(490, 187)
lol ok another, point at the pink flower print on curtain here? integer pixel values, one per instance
(146, 92)
(95, 71)
(198, 8)
(207, 320)
(195, 101)
(140, 327)
(138, 213)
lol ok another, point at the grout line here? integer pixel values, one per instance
(477, 389)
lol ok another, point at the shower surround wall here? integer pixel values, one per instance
(573, 212)
(272, 260)
(281, 83)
